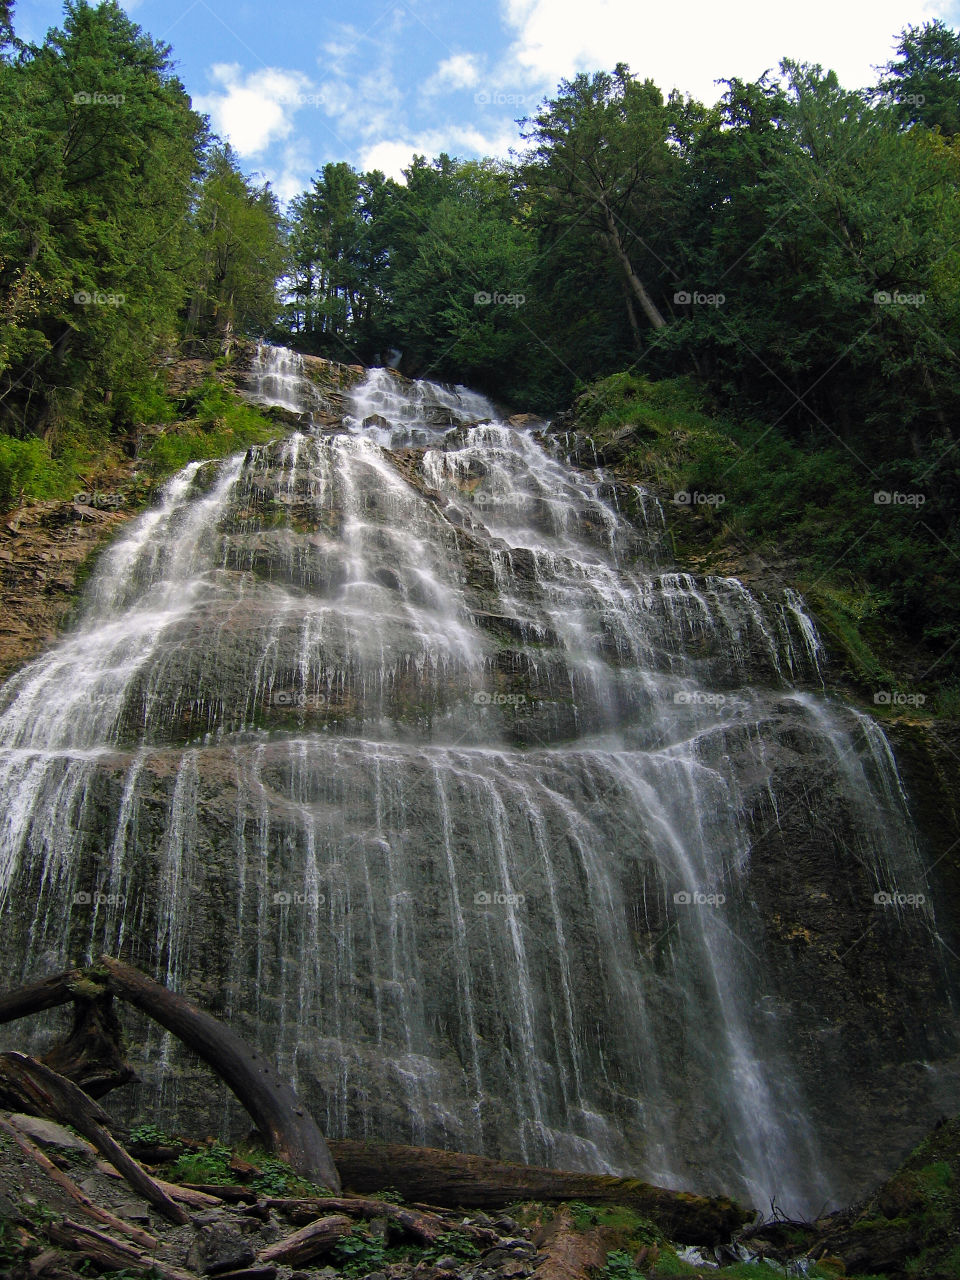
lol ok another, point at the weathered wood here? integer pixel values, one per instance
(249, 1273)
(92, 1054)
(67, 1184)
(70, 1105)
(319, 1237)
(38, 996)
(20, 1090)
(426, 1227)
(569, 1254)
(280, 1116)
(188, 1195)
(452, 1178)
(111, 1254)
(226, 1191)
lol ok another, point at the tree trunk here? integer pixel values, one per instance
(93, 1056)
(633, 280)
(632, 316)
(319, 1237)
(63, 1101)
(450, 1178)
(276, 1110)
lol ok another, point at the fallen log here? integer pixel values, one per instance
(249, 1273)
(319, 1237)
(67, 1184)
(108, 1253)
(70, 1105)
(469, 1181)
(278, 1113)
(188, 1195)
(569, 1254)
(425, 1227)
(227, 1192)
(38, 996)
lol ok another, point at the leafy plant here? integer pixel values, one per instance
(452, 1243)
(275, 1177)
(149, 1135)
(359, 1253)
(211, 1165)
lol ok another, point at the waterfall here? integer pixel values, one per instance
(406, 748)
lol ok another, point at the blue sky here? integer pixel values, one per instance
(294, 83)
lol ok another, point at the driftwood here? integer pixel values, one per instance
(249, 1273)
(38, 996)
(229, 1192)
(451, 1178)
(188, 1195)
(278, 1113)
(62, 1100)
(73, 1191)
(319, 1237)
(92, 1056)
(108, 1253)
(425, 1227)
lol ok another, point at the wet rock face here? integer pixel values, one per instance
(429, 771)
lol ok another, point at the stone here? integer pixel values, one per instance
(46, 1133)
(221, 1247)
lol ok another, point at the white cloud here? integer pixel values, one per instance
(457, 140)
(553, 40)
(459, 71)
(252, 110)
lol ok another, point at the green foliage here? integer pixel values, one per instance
(149, 1135)
(220, 423)
(358, 1253)
(275, 1177)
(923, 82)
(635, 1229)
(874, 573)
(238, 252)
(452, 1243)
(123, 229)
(28, 469)
(211, 1166)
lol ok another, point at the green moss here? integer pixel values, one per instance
(635, 1230)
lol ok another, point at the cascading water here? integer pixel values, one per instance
(404, 748)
